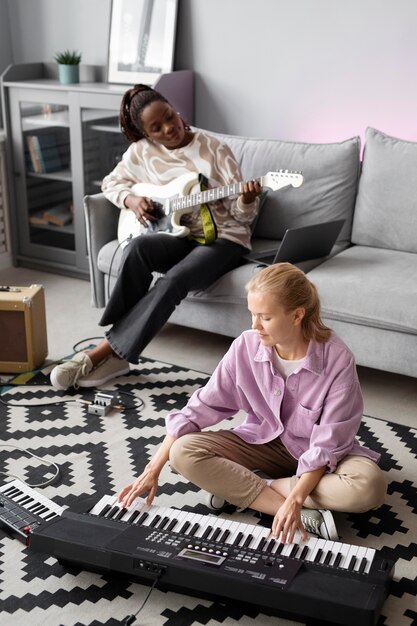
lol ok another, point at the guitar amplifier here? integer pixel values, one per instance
(23, 343)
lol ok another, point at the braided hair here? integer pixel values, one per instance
(132, 105)
(134, 101)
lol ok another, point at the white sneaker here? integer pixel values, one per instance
(214, 503)
(264, 476)
(111, 367)
(319, 522)
(218, 504)
(68, 373)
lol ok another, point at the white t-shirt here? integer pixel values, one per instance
(284, 366)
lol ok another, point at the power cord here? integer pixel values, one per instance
(130, 619)
(49, 463)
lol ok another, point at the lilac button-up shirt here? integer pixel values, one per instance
(316, 411)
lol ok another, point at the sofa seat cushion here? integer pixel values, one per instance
(229, 288)
(371, 287)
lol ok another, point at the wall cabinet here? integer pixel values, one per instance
(61, 141)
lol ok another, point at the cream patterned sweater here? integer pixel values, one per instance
(151, 163)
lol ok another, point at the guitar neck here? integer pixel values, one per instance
(201, 197)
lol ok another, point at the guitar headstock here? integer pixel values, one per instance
(282, 178)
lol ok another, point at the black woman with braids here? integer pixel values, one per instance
(163, 149)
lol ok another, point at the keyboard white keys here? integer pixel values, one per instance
(317, 550)
(336, 554)
(328, 552)
(203, 522)
(31, 500)
(259, 532)
(180, 520)
(369, 556)
(237, 534)
(236, 530)
(350, 558)
(101, 504)
(344, 552)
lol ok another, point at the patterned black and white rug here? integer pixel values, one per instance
(99, 455)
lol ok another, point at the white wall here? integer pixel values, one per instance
(305, 70)
(40, 28)
(5, 41)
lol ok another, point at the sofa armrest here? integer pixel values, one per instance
(101, 217)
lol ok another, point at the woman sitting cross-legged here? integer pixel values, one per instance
(296, 381)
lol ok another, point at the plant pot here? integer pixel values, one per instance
(69, 74)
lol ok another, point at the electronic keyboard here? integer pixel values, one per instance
(23, 509)
(219, 558)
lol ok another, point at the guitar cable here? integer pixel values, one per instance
(5, 384)
(75, 401)
(121, 243)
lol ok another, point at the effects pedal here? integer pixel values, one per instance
(103, 403)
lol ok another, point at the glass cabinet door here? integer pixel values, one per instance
(48, 179)
(103, 145)
(62, 140)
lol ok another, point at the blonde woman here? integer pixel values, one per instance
(297, 383)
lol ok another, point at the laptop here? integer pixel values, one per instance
(301, 244)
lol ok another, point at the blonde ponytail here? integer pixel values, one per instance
(292, 290)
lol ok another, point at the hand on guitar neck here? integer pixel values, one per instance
(251, 189)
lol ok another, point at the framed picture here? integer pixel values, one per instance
(141, 41)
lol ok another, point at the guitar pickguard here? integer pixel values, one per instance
(162, 225)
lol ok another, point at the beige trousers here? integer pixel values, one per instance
(222, 464)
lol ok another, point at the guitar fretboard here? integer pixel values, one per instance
(209, 195)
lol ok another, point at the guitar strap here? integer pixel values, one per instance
(209, 225)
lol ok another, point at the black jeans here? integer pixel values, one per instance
(137, 312)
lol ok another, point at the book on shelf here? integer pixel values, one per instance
(38, 219)
(59, 215)
(44, 153)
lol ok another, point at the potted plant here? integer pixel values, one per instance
(69, 66)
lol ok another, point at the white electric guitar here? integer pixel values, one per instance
(183, 195)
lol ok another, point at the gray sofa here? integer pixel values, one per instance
(367, 284)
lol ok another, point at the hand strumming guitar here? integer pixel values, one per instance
(143, 208)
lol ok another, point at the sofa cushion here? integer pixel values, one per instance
(330, 181)
(229, 288)
(385, 213)
(369, 286)
(109, 258)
